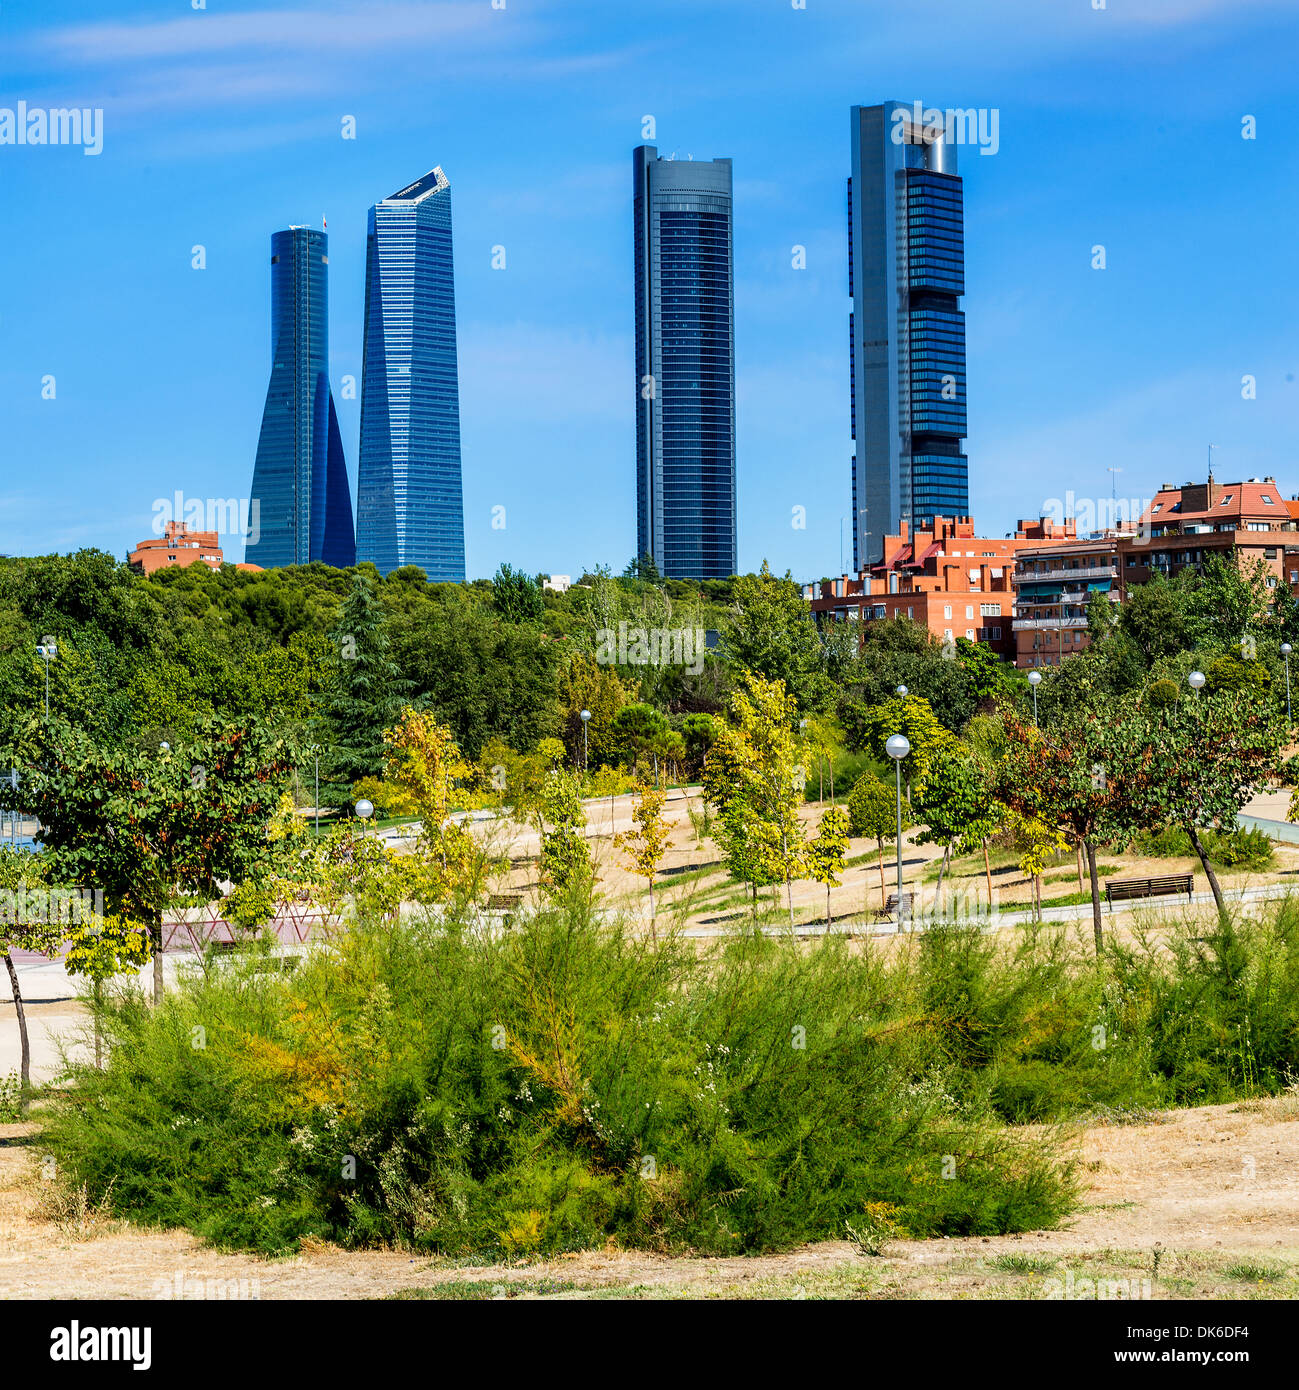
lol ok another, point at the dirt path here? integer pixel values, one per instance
(1216, 1189)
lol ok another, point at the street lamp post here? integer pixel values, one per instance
(1035, 679)
(1196, 681)
(585, 717)
(897, 747)
(364, 809)
(1285, 652)
(48, 649)
(902, 690)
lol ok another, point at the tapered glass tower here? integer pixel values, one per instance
(409, 506)
(906, 275)
(302, 502)
(685, 365)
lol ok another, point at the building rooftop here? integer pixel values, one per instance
(432, 182)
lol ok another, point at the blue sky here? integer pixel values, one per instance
(1119, 127)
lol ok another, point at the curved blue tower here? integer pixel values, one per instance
(302, 503)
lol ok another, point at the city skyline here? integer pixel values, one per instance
(1073, 368)
(409, 509)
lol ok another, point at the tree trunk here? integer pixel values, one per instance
(882, 901)
(1097, 927)
(942, 869)
(829, 920)
(1078, 845)
(98, 997)
(987, 869)
(789, 888)
(1194, 833)
(653, 933)
(155, 935)
(25, 1047)
(1037, 897)
(754, 887)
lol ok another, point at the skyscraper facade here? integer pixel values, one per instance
(409, 505)
(906, 275)
(685, 365)
(302, 503)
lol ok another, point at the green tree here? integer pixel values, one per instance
(25, 925)
(144, 828)
(1073, 778)
(364, 694)
(903, 714)
(100, 949)
(565, 855)
(638, 729)
(770, 633)
(646, 845)
(753, 772)
(825, 853)
(1197, 762)
(872, 812)
(956, 807)
(518, 596)
(586, 685)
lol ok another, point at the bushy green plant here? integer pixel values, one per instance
(545, 1089)
(1240, 848)
(11, 1098)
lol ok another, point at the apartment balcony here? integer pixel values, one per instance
(1048, 576)
(1047, 624)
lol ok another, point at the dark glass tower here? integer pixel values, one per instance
(906, 274)
(302, 501)
(685, 366)
(408, 493)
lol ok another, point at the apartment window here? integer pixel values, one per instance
(969, 611)
(1271, 581)
(990, 610)
(947, 613)
(1268, 500)
(911, 613)
(1294, 576)
(969, 632)
(947, 632)
(1270, 552)
(994, 634)
(1158, 507)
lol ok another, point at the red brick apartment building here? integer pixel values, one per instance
(1181, 527)
(957, 583)
(179, 546)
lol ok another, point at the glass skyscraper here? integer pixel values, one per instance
(685, 366)
(906, 274)
(409, 506)
(302, 501)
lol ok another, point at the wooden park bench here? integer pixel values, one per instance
(890, 908)
(1122, 889)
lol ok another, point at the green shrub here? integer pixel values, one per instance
(1238, 849)
(561, 1084)
(11, 1094)
(540, 1090)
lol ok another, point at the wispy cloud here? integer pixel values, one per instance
(344, 27)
